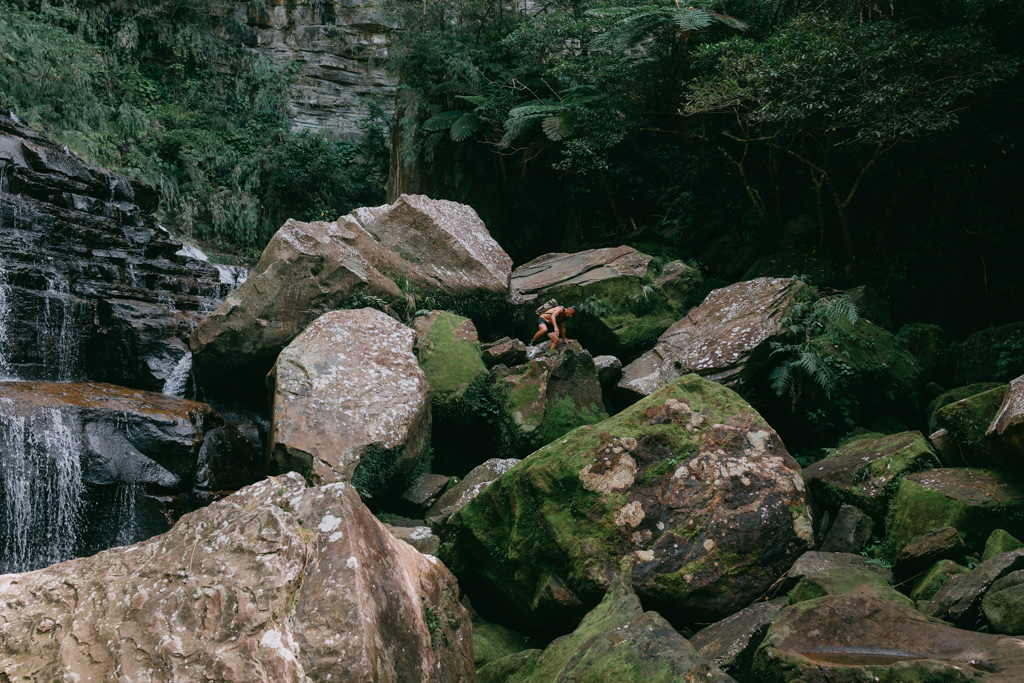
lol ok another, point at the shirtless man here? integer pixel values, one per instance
(552, 323)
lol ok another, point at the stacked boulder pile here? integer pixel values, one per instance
(755, 482)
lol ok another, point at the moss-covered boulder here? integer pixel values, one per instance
(819, 574)
(960, 599)
(866, 470)
(925, 342)
(929, 583)
(973, 501)
(1000, 541)
(492, 642)
(854, 638)
(448, 349)
(843, 375)
(730, 643)
(617, 641)
(627, 298)
(555, 392)
(689, 490)
(966, 422)
(1003, 604)
(462, 400)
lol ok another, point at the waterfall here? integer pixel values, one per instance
(40, 491)
(59, 324)
(5, 313)
(177, 381)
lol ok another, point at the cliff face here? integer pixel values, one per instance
(338, 49)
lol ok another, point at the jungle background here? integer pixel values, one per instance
(848, 141)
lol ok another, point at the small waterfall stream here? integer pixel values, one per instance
(40, 491)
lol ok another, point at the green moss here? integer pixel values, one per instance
(563, 415)
(999, 541)
(966, 422)
(450, 356)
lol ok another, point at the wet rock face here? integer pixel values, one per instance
(87, 466)
(437, 247)
(350, 403)
(276, 582)
(689, 489)
(723, 339)
(90, 286)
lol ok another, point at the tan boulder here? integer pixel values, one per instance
(276, 582)
(350, 403)
(720, 339)
(431, 246)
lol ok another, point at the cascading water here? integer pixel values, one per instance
(177, 381)
(5, 314)
(62, 357)
(40, 491)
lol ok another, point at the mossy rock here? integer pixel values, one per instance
(935, 578)
(925, 342)
(689, 490)
(973, 501)
(550, 396)
(623, 308)
(865, 471)
(448, 350)
(966, 422)
(955, 395)
(491, 642)
(616, 641)
(1000, 541)
(846, 580)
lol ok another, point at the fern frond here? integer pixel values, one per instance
(558, 127)
(442, 121)
(464, 127)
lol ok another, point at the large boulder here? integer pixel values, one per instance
(965, 424)
(457, 496)
(1006, 432)
(973, 501)
(462, 397)
(617, 641)
(350, 403)
(689, 489)
(854, 638)
(554, 392)
(84, 466)
(434, 249)
(630, 298)
(277, 582)
(91, 287)
(865, 471)
(725, 339)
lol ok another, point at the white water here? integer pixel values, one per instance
(62, 352)
(5, 314)
(40, 491)
(177, 381)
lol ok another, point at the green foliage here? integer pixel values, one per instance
(141, 91)
(835, 96)
(818, 325)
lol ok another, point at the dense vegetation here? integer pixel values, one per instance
(158, 90)
(857, 142)
(852, 141)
